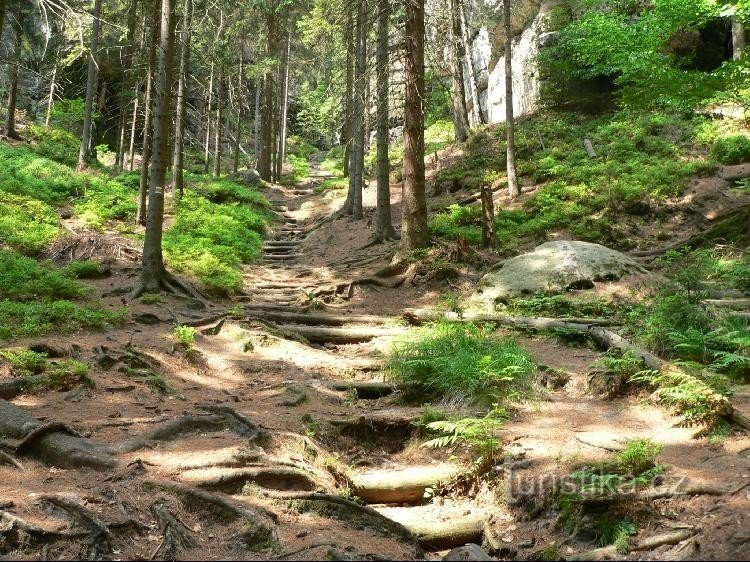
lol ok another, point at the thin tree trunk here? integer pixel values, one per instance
(219, 114)
(257, 121)
(266, 144)
(349, 101)
(488, 217)
(131, 148)
(154, 277)
(284, 107)
(208, 120)
(414, 233)
(458, 90)
(739, 38)
(2, 16)
(178, 180)
(514, 190)
(384, 226)
(143, 192)
(83, 154)
(51, 99)
(476, 111)
(240, 107)
(10, 124)
(353, 204)
(127, 64)
(275, 131)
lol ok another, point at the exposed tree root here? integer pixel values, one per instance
(177, 537)
(350, 511)
(233, 480)
(684, 488)
(86, 520)
(9, 460)
(260, 530)
(53, 444)
(649, 543)
(437, 533)
(173, 429)
(167, 283)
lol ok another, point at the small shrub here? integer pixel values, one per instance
(84, 269)
(24, 361)
(151, 298)
(460, 360)
(734, 149)
(184, 336)
(638, 456)
(479, 433)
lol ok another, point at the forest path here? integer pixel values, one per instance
(549, 436)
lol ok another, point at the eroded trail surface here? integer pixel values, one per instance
(253, 444)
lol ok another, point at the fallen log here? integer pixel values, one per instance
(407, 485)
(365, 390)
(732, 304)
(233, 480)
(340, 335)
(453, 529)
(418, 316)
(55, 446)
(320, 319)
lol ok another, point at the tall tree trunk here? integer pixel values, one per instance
(514, 190)
(154, 276)
(240, 107)
(178, 180)
(256, 131)
(739, 38)
(51, 99)
(127, 64)
(83, 154)
(349, 98)
(15, 59)
(284, 107)
(384, 226)
(2, 16)
(219, 115)
(148, 115)
(414, 233)
(208, 120)
(458, 90)
(133, 123)
(475, 117)
(353, 204)
(266, 124)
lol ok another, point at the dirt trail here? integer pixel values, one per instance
(271, 430)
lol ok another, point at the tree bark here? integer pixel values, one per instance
(284, 108)
(207, 150)
(127, 65)
(349, 96)
(154, 275)
(488, 217)
(10, 124)
(739, 38)
(458, 89)
(514, 189)
(257, 121)
(131, 148)
(414, 233)
(83, 154)
(358, 117)
(266, 134)
(219, 114)
(51, 99)
(148, 117)
(475, 117)
(240, 108)
(384, 227)
(178, 161)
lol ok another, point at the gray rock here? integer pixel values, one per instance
(469, 551)
(606, 384)
(548, 39)
(553, 267)
(249, 177)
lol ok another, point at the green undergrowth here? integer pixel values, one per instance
(609, 482)
(36, 299)
(461, 362)
(58, 375)
(642, 160)
(210, 241)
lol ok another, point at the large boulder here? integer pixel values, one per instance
(553, 267)
(249, 177)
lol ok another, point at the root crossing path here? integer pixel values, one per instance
(276, 436)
